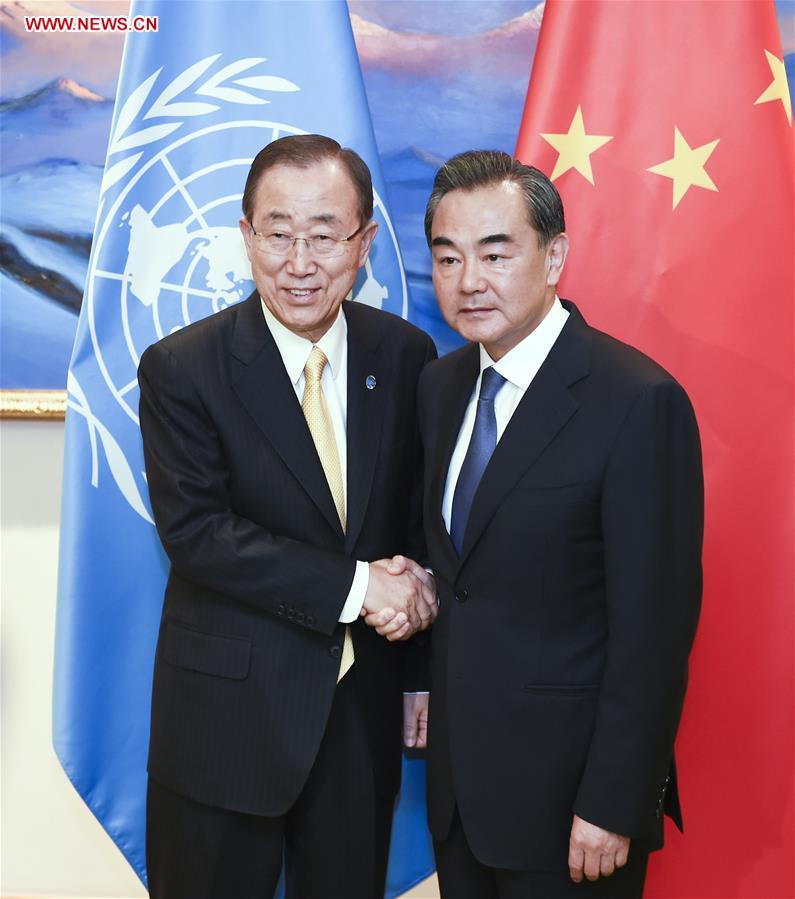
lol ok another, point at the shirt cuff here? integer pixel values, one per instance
(355, 601)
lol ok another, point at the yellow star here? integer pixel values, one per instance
(778, 89)
(575, 148)
(687, 167)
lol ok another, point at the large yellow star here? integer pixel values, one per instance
(687, 167)
(778, 89)
(575, 148)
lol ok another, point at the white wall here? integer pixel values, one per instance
(50, 843)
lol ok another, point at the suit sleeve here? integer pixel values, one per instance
(652, 521)
(205, 540)
(418, 677)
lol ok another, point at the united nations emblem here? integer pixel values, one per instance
(167, 249)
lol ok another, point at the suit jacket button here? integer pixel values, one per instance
(300, 617)
(280, 609)
(462, 595)
(336, 651)
(310, 620)
(291, 613)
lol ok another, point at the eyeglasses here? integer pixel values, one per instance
(280, 243)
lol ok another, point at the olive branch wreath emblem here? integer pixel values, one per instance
(168, 104)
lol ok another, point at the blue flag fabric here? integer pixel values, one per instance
(196, 101)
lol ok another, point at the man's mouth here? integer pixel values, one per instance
(301, 292)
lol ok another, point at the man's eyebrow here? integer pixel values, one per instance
(484, 241)
(278, 215)
(326, 218)
(495, 238)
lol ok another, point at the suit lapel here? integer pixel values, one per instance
(455, 392)
(265, 390)
(365, 415)
(545, 408)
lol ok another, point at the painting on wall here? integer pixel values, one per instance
(55, 115)
(440, 78)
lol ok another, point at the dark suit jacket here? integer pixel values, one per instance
(560, 651)
(250, 644)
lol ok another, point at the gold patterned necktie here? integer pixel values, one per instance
(318, 419)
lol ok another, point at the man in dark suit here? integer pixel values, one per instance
(563, 516)
(282, 456)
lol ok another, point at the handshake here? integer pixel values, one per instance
(400, 598)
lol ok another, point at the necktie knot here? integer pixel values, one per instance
(490, 382)
(313, 370)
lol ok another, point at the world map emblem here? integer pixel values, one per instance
(168, 251)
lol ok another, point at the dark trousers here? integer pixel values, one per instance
(462, 876)
(334, 840)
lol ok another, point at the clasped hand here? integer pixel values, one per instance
(400, 598)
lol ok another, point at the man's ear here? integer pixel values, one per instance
(246, 230)
(557, 251)
(368, 235)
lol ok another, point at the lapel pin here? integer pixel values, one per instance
(370, 382)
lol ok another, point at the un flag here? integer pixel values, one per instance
(196, 101)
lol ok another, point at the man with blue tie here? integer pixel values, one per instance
(563, 517)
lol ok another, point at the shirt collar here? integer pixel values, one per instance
(520, 364)
(295, 349)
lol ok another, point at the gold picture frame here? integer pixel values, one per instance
(36, 405)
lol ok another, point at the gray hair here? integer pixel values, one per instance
(483, 168)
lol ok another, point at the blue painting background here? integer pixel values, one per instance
(440, 77)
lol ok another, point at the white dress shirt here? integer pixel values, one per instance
(518, 366)
(295, 351)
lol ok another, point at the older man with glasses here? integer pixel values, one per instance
(283, 463)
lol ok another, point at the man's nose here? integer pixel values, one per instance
(472, 280)
(300, 260)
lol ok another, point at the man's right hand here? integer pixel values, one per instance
(399, 601)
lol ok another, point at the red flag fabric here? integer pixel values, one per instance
(667, 128)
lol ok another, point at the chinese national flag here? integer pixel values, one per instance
(667, 128)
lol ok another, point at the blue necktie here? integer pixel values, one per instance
(481, 446)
